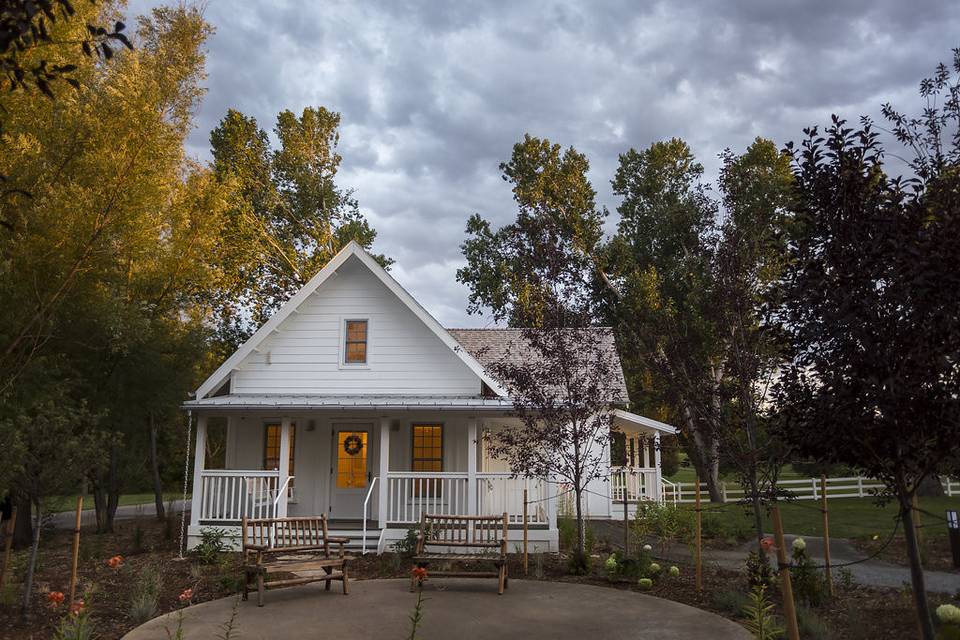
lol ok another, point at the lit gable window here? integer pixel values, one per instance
(355, 342)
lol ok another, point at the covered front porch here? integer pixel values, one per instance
(635, 472)
(373, 473)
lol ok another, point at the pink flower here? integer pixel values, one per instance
(55, 598)
(186, 595)
(767, 543)
(115, 562)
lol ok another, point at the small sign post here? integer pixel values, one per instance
(953, 529)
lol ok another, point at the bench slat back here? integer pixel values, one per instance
(463, 531)
(285, 533)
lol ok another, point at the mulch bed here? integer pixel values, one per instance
(147, 545)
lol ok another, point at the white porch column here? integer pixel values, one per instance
(645, 445)
(199, 460)
(472, 466)
(284, 467)
(656, 461)
(384, 470)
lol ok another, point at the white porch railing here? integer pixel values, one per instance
(227, 495)
(411, 494)
(498, 493)
(634, 483)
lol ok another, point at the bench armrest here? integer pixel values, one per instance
(255, 547)
(338, 539)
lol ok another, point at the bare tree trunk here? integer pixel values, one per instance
(706, 457)
(581, 553)
(34, 549)
(155, 465)
(23, 527)
(916, 566)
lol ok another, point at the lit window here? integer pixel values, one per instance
(427, 447)
(271, 447)
(355, 344)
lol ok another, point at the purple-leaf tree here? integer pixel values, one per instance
(564, 382)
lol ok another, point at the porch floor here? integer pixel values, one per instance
(467, 609)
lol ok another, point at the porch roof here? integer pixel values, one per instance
(287, 401)
(636, 420)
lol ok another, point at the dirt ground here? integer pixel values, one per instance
(148, 548)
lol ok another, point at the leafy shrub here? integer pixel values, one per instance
(213, 543)
(729, 601)
(808, 582)
(230, 582)
(758, 570)
(667, 523)
(760, 619)
(407, 545)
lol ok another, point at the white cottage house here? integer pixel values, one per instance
(353, 401)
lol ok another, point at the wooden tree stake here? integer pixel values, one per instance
(789, 608)
(626, 523)
(7, 543)
(525, 538)
(76, 549)
(697, 533)
(826, 533)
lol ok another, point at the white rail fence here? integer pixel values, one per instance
(226, 495)
(411, 494)
(799, 489)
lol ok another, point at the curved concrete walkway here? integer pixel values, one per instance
(453, 608)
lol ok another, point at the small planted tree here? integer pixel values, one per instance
(870, 304)
(564, 382)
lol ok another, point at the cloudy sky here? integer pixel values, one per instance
(434, 94)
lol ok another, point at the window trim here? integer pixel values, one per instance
(342, 360)
(443, 444)
(293, 452)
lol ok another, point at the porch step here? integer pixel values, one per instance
(356, 538)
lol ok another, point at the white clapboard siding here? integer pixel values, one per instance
(404, 355)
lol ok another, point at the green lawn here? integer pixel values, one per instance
(68, 503)
(849, 517)
(688, 474)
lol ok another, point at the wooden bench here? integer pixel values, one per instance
(300, 546)
(467, 539)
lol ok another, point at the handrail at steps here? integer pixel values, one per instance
(281, 493)
(363, 545)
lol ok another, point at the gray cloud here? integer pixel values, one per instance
(433, 95)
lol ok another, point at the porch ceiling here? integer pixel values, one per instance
(347, 402)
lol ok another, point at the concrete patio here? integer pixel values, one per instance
(453, 608)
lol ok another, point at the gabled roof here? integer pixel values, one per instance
(490, 346)
(352, 250)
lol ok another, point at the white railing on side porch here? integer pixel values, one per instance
(635, 483)
(411, 494)
(227, 495)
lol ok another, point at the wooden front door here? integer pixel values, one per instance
(350, 470)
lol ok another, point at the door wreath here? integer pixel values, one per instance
(352, 445)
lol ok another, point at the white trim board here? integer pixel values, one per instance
(217, 379)
(643, 421)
